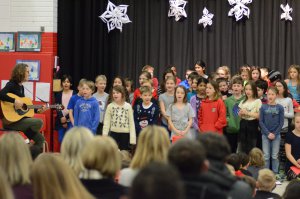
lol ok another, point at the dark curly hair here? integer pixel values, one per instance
(18, 73)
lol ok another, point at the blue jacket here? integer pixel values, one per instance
(87, 113)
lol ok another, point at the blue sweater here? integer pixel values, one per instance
(271, 118)
(73, 101)
(145, 116)
(87, 113)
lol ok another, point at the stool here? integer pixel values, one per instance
(43, 129)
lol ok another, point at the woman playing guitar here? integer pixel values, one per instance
(30, 126)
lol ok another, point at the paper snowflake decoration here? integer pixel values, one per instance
(115, 16)
(287, 10)
(206, 18)
(177, 9)
(239, 9)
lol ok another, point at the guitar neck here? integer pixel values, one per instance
(40, 106)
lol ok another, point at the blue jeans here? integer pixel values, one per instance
(271, 150)
(62, 131)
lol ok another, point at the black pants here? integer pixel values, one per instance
(122, 140)
(99, 129)
(248, 135)
(232, 139)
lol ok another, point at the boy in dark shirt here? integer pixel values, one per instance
(145, 112)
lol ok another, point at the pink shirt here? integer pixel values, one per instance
(65, 101)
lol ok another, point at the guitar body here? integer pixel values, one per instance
(11, 114)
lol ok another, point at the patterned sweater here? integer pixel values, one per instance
(144, 116)
(119, 119)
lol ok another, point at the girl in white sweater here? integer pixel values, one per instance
(118, 120)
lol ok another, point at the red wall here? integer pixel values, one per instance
(46, 57)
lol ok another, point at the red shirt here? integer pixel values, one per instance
(155, 83)
(178, 81)
(212, 116)
(238, 173)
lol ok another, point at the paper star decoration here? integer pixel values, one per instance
(240, 9)
(287, 10)
(206, 18)
(115, 16)
(177, 9)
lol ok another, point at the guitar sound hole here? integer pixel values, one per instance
(22, 111)
(24, 107)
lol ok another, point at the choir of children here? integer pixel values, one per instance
(229, 105)
(253, 112)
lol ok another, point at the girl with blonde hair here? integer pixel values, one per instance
(224, 72)
(53, 178)
(257, 162)
(153, 145)
(293, 81)
(72, 145)
(102, 161)
(16, 161)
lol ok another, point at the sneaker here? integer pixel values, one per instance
(280, 177)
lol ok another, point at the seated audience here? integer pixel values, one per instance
(153, 145)
(234, 160)
(251, 182)
(5, 189)
(102, 161)
(188, 156)
(265, 184)
(157, 181)
(126, 158)
(16, 162)
(72, 145)
(257, 162)
(217, 150)
(245, 161)
(292, 191)
(53, 178)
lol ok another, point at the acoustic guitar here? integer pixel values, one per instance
(12, 114)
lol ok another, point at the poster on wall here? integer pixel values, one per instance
(34, 69)
(7, 41)
(29, 41)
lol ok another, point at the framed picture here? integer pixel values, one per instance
(29, 41)
(34, 69)
(7, 41)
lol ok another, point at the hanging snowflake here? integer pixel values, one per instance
(240, 9)
(287, 10)
(115, 16)
(177, 9)
(206, 19)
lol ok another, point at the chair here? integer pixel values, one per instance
(43, 129)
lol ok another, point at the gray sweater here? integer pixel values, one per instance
(287, 104)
